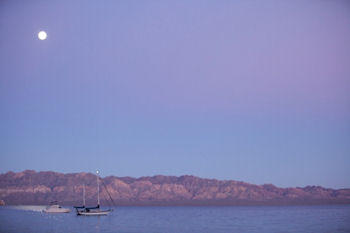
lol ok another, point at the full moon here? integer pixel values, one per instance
(42, 35)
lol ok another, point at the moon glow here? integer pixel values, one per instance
(42, 35)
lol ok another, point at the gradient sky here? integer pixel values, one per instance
(257, 91)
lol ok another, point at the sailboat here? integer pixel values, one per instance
(95, 210)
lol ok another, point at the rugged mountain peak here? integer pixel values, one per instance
(30, 187)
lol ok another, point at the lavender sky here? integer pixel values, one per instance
(257, 91)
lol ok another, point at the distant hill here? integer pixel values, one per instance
(30, 187)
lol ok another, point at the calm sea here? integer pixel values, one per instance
(250, 219)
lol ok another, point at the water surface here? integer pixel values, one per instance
(250, 219)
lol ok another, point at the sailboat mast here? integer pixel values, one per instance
(83, 194)
(98, 190)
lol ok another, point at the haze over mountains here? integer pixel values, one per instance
(30, 187)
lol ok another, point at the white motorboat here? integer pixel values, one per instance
(55, 208)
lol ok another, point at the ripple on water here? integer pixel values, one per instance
(36, 208)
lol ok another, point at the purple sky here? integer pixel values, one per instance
(257, 91)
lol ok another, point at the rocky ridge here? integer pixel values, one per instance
(30, 187)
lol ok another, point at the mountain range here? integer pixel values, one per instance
(31, 187)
